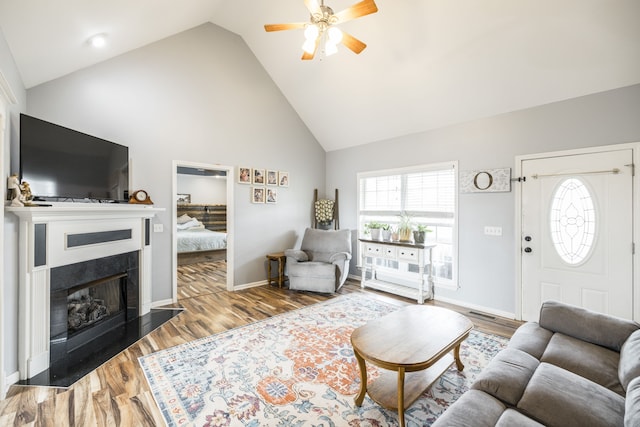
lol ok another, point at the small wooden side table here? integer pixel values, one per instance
(281, 259)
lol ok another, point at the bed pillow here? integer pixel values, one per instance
(193, 223)
(184, 219)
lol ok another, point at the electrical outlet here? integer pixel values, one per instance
(492, 230)
(158, 228)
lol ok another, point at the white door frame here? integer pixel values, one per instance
(174, 224)
(635, 147)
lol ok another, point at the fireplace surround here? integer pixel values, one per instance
(63, 246)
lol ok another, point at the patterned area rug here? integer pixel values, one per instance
(295, 369)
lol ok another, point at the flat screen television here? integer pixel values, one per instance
(66, 165)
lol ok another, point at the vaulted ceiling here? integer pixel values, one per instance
(428, 63)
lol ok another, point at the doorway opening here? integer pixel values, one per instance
(202, 229)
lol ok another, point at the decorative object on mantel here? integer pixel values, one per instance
(485, 181)
(25, 190)
(325, 212)
(322, 32)
(13, 185)
(140, 197)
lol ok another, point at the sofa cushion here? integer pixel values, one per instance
(632, 404)
(507, 375)
(473, 407)
(511, 417)
(596, 328)
(629, 367)
(591, 361)
(531, 338)
(557, 397)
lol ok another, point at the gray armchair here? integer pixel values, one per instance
(322, 262)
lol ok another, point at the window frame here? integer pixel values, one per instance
(440, 282)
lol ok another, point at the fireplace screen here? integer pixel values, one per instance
(94, 303)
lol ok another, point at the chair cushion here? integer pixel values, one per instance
(557, 397)
(591, 361)
(320, 245)
(629, 367)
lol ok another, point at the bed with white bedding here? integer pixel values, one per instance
(200, 239)
(195, 243)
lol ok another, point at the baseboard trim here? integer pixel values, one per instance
(9, 381)
(250, 285)
(487, 310)
(157, 304)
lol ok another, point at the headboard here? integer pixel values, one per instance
(214, 217)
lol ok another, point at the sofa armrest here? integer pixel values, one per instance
(340, 257)
(597, 328)
(296, 254)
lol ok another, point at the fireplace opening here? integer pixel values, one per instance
(94, 302)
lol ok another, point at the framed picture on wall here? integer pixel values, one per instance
(244, 175)
(272, 177)
(257, 194)
(272, 195)
(183, 199)
(258, 177)
(283, 179)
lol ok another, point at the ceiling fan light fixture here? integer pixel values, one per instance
(330, 48)
(309, 46)
(311, 32)
(335, 35)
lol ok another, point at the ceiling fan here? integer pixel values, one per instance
(322, 27)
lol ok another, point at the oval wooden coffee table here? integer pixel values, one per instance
(416, 341)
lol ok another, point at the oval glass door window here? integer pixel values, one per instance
(572, 221)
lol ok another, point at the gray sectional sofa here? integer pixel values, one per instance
(574, 367)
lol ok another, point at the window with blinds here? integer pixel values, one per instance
(428, 194)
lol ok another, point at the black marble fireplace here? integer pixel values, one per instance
(94, 316)
(91, 298)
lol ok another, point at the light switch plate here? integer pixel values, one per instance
(492, 230)
(158, 228)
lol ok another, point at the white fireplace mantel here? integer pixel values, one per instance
(68, 233)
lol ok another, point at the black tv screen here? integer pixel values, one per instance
(64, 164)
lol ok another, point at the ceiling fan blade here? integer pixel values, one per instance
(352, 43)
(306, 56)
(313, 6)
(281, 27)
(365, 7)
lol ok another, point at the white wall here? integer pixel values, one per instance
(487, 263)
(204, 190)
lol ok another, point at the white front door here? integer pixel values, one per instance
(577, 233)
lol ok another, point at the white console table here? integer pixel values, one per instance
(403, 253)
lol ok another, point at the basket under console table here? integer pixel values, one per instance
(402, 253)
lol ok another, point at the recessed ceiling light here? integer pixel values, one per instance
(98, 40)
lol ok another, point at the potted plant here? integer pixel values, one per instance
(404, 228)
(419, 233)
(386, 232)
(374, 228)
(394, 234)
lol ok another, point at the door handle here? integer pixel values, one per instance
(528, 250)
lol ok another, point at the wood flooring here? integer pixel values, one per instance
(116, 393)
